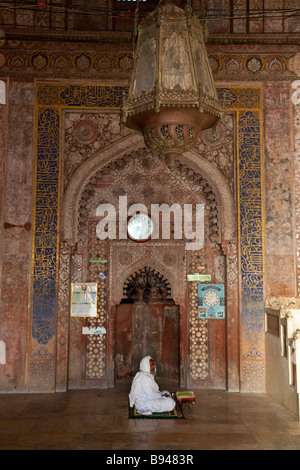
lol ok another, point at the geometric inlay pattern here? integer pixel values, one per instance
(198, 341)
(98, 272)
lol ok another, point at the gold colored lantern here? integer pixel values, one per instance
(171, 96)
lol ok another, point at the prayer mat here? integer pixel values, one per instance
(175, 414)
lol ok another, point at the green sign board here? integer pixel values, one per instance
(199, 277)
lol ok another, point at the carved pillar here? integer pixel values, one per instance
(63, 315)
(232, 307)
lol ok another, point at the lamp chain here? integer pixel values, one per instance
(135, 25)
(204, 14)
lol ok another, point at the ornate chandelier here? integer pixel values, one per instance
(171, 96)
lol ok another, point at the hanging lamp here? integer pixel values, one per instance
(172, 95)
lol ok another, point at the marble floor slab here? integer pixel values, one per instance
(98, 420)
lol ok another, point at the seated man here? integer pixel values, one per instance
(145, 394)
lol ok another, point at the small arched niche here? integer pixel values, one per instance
(147, 323)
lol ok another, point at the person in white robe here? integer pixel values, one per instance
(145, 394)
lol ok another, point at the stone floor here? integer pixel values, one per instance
(98, 419)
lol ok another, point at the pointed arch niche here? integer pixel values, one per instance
(147, 322)
(103, 174)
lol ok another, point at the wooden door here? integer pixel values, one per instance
(144, 329)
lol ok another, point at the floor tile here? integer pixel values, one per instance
(99, 420)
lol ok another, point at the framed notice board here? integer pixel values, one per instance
(83, 299)
(211, 301)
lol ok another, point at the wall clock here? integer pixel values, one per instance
(140, 227)
(211, 301)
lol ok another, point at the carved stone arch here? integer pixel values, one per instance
(76, 187)
(175, 281)
(145, 280)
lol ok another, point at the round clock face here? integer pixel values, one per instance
(211, 298)
(140, 227)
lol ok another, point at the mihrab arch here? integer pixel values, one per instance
(148, 282)
(147, 322)
(147, 255)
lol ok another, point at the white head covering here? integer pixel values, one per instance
(144, 369)
(145, 364)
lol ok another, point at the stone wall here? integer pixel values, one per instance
(263, 95)
(279, 178)
(16, 230)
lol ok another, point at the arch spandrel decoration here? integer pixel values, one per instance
(225, 196)
(51, 101)
(76, 186)
(147, 256)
